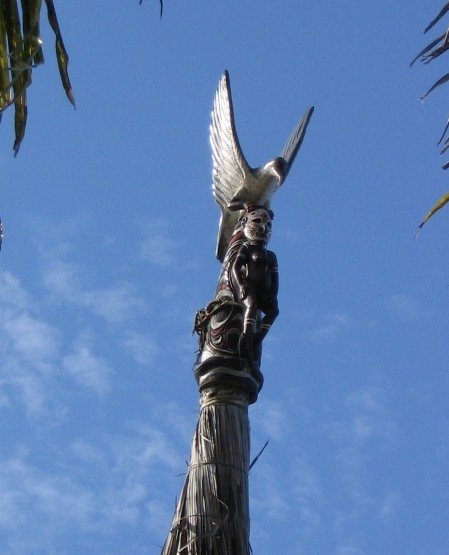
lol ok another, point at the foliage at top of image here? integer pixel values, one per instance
(431, 52)
(20, 52)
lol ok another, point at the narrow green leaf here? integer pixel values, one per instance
(437, 206)
(435, 53)
(443, 135)
(15, 43)
(442, 13)
(427, 48)
(258, 455)
(32, 41)
(5, 89)
(441, 81)
(61, 54)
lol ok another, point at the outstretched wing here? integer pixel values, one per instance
(229, 167)
(295, 140)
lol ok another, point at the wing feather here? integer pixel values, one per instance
(229, 167)
(295, 140)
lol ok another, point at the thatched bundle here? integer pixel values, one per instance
(212, 515)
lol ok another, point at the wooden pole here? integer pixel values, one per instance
(212, 514)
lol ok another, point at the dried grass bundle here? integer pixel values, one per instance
(212, 515)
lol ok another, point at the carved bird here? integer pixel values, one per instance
(234, 182)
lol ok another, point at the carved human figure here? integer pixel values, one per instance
(256, 273)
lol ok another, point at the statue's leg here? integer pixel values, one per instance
(271, 313)
(249, 329)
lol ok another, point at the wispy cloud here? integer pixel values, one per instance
(32, 358)
(141, 347)
(86, 368)
(157, 246)
(270, 501)
(349, 550)
(115, 304)
(11, 292)
(34, 502)
(29, 346)
(364, 420)
(272, 417)
(31, 338)
(368, 407)
(390, 506)
(331, 325)
(407, 308)
(363, 428)
(308, 492)
(109, 487)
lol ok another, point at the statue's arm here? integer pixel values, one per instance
(237, 273)
(273, 265)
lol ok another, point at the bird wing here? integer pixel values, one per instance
(229, 167)
(295, 140)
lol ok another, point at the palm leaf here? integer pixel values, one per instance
(433, 50)
(427, 58)
(61, 54)
(441, 81)
(15, 43)
(442, 13)
(437, 206)
(5, 91)
(20, 52)
(427, 48)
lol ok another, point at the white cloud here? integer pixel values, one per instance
(331, 326)
(408, 308)
(269, 500)
(365, 421)
(93, 488)
(115, 304)
(141, 347)
(11, 292)
(60, 277)
(32, 339)
(308, 492)
(370, 415)
(141, 462)
(349, 550)
(90, 370)
(35, 506)
(29, 346)
(271, 417)
(32, 390)
(86, 452)
(157, 247)
(390, 506)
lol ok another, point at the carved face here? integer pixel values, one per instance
(258, 225)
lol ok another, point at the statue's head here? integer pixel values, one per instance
(257, 224)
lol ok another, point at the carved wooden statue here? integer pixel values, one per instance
(212, 515)
(255, 270)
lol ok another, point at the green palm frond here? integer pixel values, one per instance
(431, 52)
(21, 52)
(437, 206)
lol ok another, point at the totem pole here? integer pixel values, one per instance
(212, 514)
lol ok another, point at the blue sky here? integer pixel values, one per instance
(110, 231)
